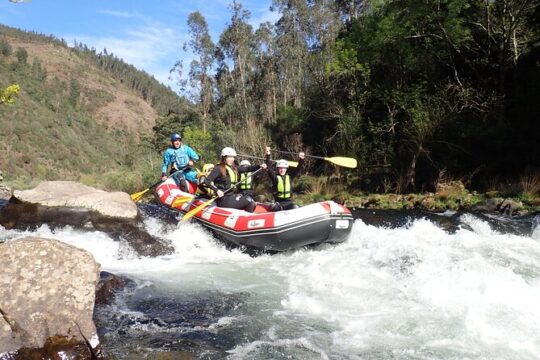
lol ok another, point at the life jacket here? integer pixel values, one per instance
(228, 177)
(246, 183)
(203, 189)
(181, 158)
(283, 187)
(233, 175)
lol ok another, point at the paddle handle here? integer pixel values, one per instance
(155, 184)
(261, 158)
(293, 153)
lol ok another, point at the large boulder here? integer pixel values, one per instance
(73, 194)
(47, 291)
(67, 203)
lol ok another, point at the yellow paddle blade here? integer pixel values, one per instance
(181, 200)
(292, 163)
(138, 195)
(343, 161)
(191, 213)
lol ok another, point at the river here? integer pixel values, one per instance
(406, 288)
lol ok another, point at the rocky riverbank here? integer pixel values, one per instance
(448, 196)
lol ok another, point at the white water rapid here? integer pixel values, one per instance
(414, 292)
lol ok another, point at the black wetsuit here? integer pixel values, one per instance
(220, 179)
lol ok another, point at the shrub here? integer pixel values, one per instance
(122, 180)
(530, 184)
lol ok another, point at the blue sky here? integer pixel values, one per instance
(147, 34)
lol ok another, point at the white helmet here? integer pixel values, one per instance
(245, 163)
(228, 151)
(282, 164)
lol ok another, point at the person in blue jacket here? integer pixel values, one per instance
(180, 158)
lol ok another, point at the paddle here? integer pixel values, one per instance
(337, 160)
(181, 200)
(191, 213)
(138, 195)
(291, 163)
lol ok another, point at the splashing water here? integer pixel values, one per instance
(413, 292)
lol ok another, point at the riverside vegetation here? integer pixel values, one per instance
(437, 101)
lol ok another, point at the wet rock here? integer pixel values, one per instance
(73, 194)
(449, 222)
(17, 215)
(109, 284)
(511, 207)
(47, 291)
(500, 205)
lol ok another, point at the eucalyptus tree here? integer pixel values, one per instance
(265, 79)
(292, 49)
(351, 10)
(305, 34)
(236, 61)
(200, 76)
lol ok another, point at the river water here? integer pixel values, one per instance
(406, 288)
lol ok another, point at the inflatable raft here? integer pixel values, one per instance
(323, 222)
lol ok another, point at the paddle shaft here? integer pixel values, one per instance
(293, 153)
(337, 160)
(291, 163)
(138, 195)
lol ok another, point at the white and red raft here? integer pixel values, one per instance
(322, 222)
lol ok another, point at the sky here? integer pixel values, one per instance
(147, 34)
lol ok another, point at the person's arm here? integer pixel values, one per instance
(269, 167)
(209, 181)
(165, 165)
(192, 154)
(300, 168)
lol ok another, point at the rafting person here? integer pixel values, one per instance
(180, 159)
(203, 189)
(281, 181)
(247, 184)
(224, 176)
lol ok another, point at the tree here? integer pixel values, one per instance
(200, 78)
(236, 60)
(5, 48)
(22, 56)
(9, 94)
(74, 92)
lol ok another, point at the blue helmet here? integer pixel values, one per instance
(175, 136)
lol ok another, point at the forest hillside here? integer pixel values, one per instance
(80, 115)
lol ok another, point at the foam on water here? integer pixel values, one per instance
(419, 288)
(408, 293)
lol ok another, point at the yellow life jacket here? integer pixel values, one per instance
(283, 187)
(233, 175)
(203, 188)
(246, 183)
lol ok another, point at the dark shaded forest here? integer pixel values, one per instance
(418, 91)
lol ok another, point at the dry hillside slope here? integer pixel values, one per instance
(118, 107)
